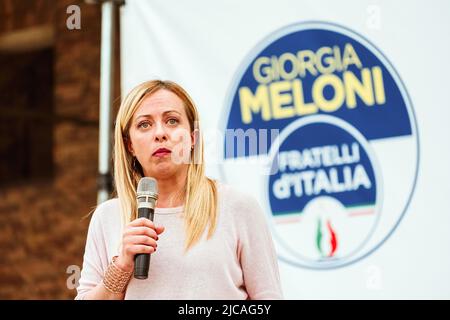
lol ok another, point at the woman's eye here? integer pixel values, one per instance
(144, 125)
(172, 121)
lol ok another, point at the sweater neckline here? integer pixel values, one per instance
(171, 210)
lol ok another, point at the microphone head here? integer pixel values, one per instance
(147, 187)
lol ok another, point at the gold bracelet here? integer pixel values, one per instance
(116, 280)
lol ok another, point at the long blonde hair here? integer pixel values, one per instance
(200, 193)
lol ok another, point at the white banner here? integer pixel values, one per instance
(351, 100)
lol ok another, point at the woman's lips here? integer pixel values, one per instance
(161, 152)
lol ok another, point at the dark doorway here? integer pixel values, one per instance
(26, 116)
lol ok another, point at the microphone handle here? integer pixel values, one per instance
(142, 260)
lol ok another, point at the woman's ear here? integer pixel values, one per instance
(194, 137)
(129, 145)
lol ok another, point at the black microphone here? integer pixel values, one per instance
(146, 195)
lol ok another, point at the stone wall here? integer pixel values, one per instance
(42, 224)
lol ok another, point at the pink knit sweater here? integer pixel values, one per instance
(238, 262)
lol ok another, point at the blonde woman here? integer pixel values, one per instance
(207, 240)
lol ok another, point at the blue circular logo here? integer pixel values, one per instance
(320, 120)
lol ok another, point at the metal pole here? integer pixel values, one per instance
(106, 98)
(106, 95)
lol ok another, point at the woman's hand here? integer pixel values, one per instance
(139, 236)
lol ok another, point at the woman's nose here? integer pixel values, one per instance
(160, 132)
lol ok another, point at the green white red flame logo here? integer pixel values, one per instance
(320, 241)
